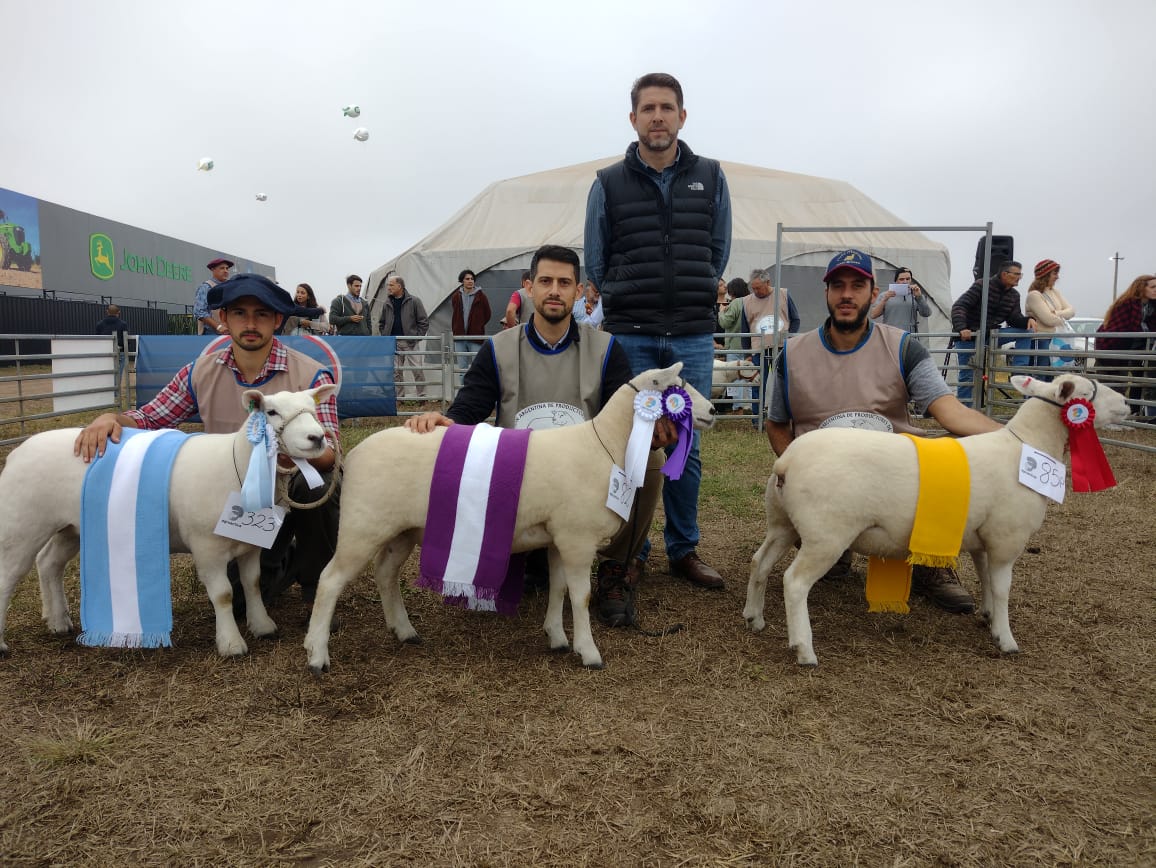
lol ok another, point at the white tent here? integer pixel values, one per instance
(496, 234)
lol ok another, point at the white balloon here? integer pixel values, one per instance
(261, 197)
(352, 111)
(361, 134)
(205, 164)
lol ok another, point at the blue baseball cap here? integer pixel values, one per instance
(856, 260)
(256, 286)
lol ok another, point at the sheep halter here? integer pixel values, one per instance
(1090, 468)
(650, 405)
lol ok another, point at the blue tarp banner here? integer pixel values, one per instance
(366, 367)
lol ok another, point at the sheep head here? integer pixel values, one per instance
(1110, 406)
(661, 379)
(293, 418)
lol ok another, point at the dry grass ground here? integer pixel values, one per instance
(914, 743)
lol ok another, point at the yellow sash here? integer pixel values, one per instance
(940, 518)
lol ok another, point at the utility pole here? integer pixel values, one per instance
(1115, 272)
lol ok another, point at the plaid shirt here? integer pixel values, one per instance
(1128, 315)
(175, 403)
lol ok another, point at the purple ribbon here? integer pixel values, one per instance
(676, 405)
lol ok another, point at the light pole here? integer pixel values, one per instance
(1115, 271)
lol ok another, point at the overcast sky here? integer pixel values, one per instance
(1034, 114)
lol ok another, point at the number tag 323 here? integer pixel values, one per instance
(256, 528)
(1042, 473)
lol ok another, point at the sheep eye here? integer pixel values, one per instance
(271, 413)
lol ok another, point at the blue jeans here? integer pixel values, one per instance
(464, 352)
(679, 497)
(965, 350)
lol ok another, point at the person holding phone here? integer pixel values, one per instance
(902, 309)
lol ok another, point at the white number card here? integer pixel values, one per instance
(256, 528)
(1042, 473)
(621, 494)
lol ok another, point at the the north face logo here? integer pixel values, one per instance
(695, 185)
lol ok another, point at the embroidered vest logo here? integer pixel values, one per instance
(696, 186)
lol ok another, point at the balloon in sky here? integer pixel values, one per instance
(205, 164)
(261, 197)
(352, 111)
(361, 134)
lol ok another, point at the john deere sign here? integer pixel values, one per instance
(101, 256)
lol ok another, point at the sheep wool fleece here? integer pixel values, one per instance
(538, 385)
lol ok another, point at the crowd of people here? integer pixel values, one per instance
(657, 241)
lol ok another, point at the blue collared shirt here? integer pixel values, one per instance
(596, 244)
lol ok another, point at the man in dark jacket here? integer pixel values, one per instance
(402, 314)
(658, 234)
(1003, 306)
(112, 324)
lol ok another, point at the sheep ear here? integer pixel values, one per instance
(1067, 387)
(251, 400)
(321, 393)
(1027, 385)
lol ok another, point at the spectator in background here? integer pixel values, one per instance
(902, 311)
(1134, 311)
(731, 323)
(471, 313)
(720, 307)
(1003, 305)
(112, 324)
(349, 313)
(308, 317)
(520, 306)
(404, 315)
(593, 305)
(764, 322)
(207, 320)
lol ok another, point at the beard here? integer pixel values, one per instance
(852, 325)
(553, 316)
(663, 143)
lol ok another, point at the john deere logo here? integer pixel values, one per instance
(101, 256)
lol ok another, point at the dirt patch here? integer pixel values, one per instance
(31, 279)
(914, 743)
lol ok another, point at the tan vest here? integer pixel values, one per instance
(758, 310)
(857, 386)
(526, 308)
(548, 390)
(217, 391)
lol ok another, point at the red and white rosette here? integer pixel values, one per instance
(1090, 468)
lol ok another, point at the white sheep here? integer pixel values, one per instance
(836, 489)
(385, 497)
(726, 373)
(40, 492)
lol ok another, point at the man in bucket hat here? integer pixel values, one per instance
(202, 312)
(251, 308)
(853, 372)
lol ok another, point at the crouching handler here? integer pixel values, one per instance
(552, 372)
(252, 308)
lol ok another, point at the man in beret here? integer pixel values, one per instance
(251, 307)
(202, 312)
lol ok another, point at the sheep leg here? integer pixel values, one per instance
(50, 563)
(979, 559)
(17, 554)
(256, 615)
(555, 630)
(389, 563)
(212, 568)
(806, 569)
(774, 546)
(1000, 584)
(352, 554)
(575, 567)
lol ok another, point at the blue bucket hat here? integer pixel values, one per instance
(856, 260)
(256, 286)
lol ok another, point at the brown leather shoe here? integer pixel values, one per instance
(941, 585)
(692, 568)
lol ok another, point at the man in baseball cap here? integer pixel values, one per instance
(202, 312)
(854, 372)
(251, 308)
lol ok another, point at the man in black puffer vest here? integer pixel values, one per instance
(658, 235)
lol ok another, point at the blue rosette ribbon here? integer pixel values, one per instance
(260, 476)
(647, 411)
(676, 405)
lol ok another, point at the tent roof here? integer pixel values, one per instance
(510, 219)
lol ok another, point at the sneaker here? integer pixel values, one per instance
(614, 597)
(942, 587)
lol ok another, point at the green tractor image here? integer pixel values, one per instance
(15, 250)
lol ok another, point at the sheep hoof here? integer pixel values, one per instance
(4, 652)
(560, 649)
(596, 664)
(805, 656)
(63, 628)
(415, 639)
(319, 669)
(756, 623)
